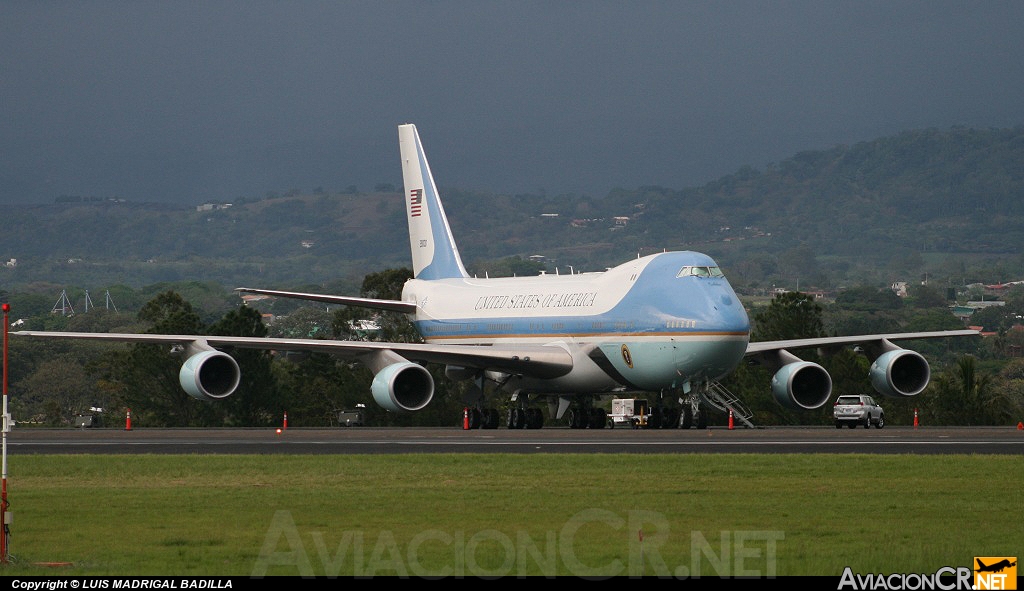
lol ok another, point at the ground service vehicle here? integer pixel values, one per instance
(628, 412)
(857, 410)
(350, 418)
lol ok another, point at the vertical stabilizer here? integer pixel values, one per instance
(434, 254)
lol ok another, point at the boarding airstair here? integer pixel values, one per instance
(721, 398)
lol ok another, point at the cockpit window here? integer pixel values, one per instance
(689, 271)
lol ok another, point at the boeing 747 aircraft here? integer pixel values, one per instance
(667, 324)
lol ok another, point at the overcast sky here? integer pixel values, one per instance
(216, 100)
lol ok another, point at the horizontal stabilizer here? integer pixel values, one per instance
(390, 305)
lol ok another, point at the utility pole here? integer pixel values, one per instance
(5, 517)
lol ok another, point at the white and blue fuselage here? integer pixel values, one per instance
(653, 323)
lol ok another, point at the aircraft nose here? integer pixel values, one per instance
(732, 315)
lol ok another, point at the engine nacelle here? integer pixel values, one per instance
(210, 375)
(403, 387)
(802, 385)
(899, 373)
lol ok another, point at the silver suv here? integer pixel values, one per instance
(857, 410)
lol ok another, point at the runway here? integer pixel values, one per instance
(407, 440)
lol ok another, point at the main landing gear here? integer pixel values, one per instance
(529, 417)
(587, 417)
(520, 414)
(483, 418)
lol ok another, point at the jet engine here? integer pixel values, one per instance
(899, 373)
(210, 375)
(802, 385)
(403, 387)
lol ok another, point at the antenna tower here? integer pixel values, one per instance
(63, 305)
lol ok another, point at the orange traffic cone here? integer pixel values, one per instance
(128, 421)
(1020, 426)
(285, 426)
(730, 419)
(465, 418)
(915, 418)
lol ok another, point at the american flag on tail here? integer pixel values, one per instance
(416, 202)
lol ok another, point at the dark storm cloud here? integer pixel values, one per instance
(195, 101)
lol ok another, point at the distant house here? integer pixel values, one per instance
(212, 206)
(900, 287)
(984, 333)
(364, 328)
(985, 304)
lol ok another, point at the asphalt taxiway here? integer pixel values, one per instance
(405, 440)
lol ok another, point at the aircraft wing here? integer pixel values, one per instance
(537, 360)
(800, 384)
(763, 347)
(390, 305)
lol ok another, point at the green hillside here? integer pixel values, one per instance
(944, 204)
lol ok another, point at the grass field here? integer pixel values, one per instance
(509, 515)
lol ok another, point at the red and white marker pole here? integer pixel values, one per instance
(5, 517)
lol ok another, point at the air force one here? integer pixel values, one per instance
(668, 324)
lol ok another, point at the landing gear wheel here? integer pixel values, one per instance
(489, 418)
(702, 420)
(686, 421)
(598, 418)
(534, 418)
(516, 418)
(575, 418)
(654, 419)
